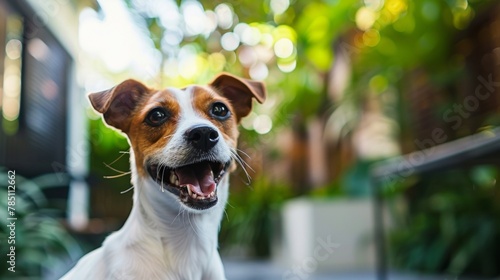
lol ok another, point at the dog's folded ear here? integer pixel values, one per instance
(240, 92)
(117, 103)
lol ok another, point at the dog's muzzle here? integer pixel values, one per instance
(195, 181)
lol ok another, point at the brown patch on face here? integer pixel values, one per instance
(146, 139)
(203, 99)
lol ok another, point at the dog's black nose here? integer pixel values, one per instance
(202, 137)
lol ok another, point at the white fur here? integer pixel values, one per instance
(162, 238)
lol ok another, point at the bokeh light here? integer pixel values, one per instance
(365, 18)
(283, 48)
(230, 41)
(224, 16)
(279, 6)
(13, 49)
(262, 124)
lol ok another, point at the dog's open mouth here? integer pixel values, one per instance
(195, 184)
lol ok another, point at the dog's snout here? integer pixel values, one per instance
(202, 137)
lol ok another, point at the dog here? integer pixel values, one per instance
(183, 146)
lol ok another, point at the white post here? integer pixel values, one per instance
(77, 155)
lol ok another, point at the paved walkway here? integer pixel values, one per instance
(264, 270)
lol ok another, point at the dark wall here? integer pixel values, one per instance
(33, 141)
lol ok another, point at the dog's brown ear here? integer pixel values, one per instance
(117, 103)
(240, 92)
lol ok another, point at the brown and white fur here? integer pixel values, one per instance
(183, 145)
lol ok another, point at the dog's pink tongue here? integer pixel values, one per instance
(199, 178)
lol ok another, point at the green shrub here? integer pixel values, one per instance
(453, 225)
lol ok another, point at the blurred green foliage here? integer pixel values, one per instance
(453, 224)
(42, 243)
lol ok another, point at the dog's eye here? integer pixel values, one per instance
(156, 117)
(220, 111)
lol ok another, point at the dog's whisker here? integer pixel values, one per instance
(243, 165)
(117, 176)
(158, 175)
(162, 175)
(248, 177)
(127, 190)
(158, 171)
(243, 153)
(179, 213)
(242, 160)
(225, 214)
(116, 170)
(121, 173)
(247, 165)
(119, 157)
(193, 227)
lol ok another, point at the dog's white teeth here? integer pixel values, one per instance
(194, 195)
(210, 195)
(189, 190)
(173, 178)
(220, 175)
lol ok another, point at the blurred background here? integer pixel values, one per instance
(376, 153)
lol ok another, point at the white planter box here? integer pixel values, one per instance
(326, 235)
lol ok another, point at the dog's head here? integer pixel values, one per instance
(183, 139)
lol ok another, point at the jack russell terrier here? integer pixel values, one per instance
(183, 145)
